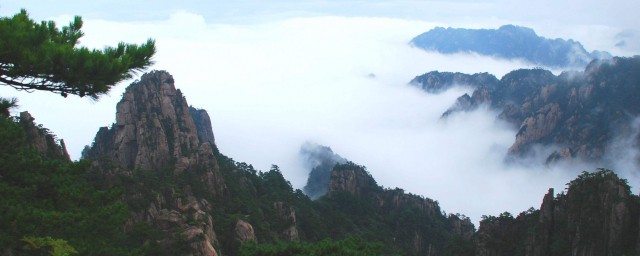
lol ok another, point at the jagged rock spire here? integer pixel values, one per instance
(155, 129)
(155, 132)
(41, 139)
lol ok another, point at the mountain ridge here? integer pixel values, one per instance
(163, 153)
(582, 112)
(508, 42)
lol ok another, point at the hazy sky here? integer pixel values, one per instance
(274, 74)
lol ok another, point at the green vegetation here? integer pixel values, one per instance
(39, 56)
(346, 247)
(260, 198)
(47, 204)
(7, 104)
(507, 234)
(55, 247)
(339, 215)
(321, 160)
(597, 215)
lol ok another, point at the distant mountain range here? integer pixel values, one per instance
(581, 112)
(508, 42)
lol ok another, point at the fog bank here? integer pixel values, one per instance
(335, 80)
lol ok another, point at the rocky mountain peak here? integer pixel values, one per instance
(41, 139)
(321, 160)
(353, 179)
(157, 136)
(155, 128)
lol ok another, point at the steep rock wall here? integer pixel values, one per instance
(167, 161)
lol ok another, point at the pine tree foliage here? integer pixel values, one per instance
(7, 104)
(39, 56)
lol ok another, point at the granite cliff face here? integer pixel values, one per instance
(598, 215)
(581, 113)
(163, 153)
(286, 214)
(154, 128)
(352, 179)
(203, 125)
(244, 232)
(155, 137)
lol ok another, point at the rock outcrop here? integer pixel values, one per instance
(437, 82)
(353, 179)
(597, 216)
(244, 232)
(154, 129)
(156, 138)
(203, 125)
(581, 113)
(287, 215)
(40, 139)
(190, 217)
(462, 226)
(320, 160)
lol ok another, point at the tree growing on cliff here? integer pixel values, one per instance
(39, 56)
(7, 104)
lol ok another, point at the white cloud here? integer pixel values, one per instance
(271, 86)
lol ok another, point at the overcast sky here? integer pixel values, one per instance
(274, 74)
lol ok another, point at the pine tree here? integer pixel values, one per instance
(39, 56)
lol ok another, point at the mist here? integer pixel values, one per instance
(337, 81)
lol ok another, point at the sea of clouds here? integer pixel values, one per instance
(339, 81)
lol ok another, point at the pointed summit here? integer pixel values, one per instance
(154, 128)
(156, 144)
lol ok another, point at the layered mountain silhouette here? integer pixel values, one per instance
(200, 202)
(508, 42)
(159, 181)
(582, 113)
(320, 160)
